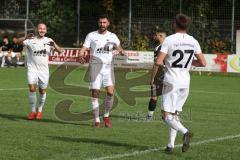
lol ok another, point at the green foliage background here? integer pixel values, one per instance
(61, 18)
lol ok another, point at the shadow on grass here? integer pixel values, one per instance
(99, 141)
(44, 120)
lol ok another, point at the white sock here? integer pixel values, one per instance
(3, 61)
(174, 123)
(42, 100)
(108, 105)
(150, 113)
(95, 107)
(172, 137)
(32, 100)
(183, 130)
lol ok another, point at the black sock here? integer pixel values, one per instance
(152, 104)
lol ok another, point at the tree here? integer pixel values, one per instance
(60, 17)
(139, 41)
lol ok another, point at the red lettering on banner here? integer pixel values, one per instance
(133, 54)
(68, 55)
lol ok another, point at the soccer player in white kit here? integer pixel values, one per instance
(102, 45)
(177, 54)
(38, 50)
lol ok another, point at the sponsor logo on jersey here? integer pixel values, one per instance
(42, 53)
(108, 47)
(103, 50)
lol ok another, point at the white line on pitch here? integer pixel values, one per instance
(135, 153)
(12, 89)
(200, 91)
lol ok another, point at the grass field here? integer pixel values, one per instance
(212, 112)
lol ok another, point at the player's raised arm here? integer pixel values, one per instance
(200, 61)
(20, 40)
(158, 63)
(55, 46)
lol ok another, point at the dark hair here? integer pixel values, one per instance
(160, 31)
(182, 21)
(102, 16)
(5, 37)
(41, 22)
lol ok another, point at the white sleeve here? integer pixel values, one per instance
(116, 40)
(26, 42)
(50, 40)
(165, 47)
(87, 41)
(197, 48)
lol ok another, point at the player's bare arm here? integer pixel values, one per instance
(83, 55)
(200, 61)
(55, 46)
(20, 40)
(158, 63)
(121, 51)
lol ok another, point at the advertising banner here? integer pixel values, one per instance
(134, 59)
(215, 63)
(69, 56)
(144, 60)
(233, 63)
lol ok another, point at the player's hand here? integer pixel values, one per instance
(30, 36)
(51, 43)
(123, 53)
(83, 56)
(82, 59)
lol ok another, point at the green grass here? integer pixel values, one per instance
(212, 110)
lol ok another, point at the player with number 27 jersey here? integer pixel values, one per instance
(180, 48)
(177, 54)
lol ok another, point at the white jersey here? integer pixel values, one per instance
(101, 46)
(179, 48)
(38, 52)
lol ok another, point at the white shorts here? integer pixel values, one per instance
(40, 79)
(3, 53)
(173, 99)
(14, 54)
(102, 79)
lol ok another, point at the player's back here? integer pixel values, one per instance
(179, 48)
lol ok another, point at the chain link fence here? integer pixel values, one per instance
(212, 20)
